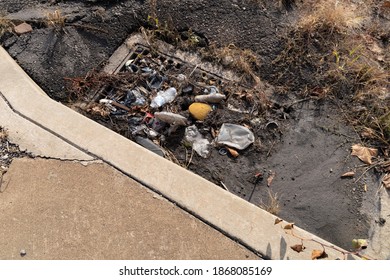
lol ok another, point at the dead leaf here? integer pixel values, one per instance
(363, 153)
(359, 244)
(289, 226)
(386, 181)
(318, 254)
(298, 248)
(233, 152)
(386, 4)
(348, 174)
(277, 221)
(270, 178)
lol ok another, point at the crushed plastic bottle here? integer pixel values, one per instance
(171, 118)
(235, 136)
(200, 145)
(164, 97)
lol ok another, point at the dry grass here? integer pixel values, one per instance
(335, 49)
(3, 134)
(242, 61)
(55, 20)
(330, 16)
(272, 205)
(5, 25)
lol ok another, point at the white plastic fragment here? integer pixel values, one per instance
(235, 136)
(200, 145)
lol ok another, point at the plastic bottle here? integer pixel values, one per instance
(164, 97)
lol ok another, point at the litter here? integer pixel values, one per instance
(171, 118)
(164, 97)
(235, 136)
(200, 145)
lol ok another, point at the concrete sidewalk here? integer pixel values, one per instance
(57, 209)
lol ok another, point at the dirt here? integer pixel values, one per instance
(308, 148)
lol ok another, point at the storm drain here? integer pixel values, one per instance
(174, 104)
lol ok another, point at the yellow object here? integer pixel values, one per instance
(199, 110)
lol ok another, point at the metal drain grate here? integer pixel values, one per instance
(144, 72)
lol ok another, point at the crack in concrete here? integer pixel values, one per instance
(45, 128)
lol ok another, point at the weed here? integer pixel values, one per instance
(5, 26)
(272, 206)
(331, 17)
(55, 20)
(3, 134)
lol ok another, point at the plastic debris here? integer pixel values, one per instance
(147, 70)
(210, 98)
(164, 97)
(199, 110)
(135, 98)
(114, 103)
(171, 118)
(188, 89)
(200, 145)
(156, 81)
(235, 136)
(130, 66)
(150, 145)
(223, 152)
(181, 77)
(211, 90)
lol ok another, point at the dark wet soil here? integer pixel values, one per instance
(307, 150)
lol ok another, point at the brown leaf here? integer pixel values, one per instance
(363, 153)
(289, 226)
(270, 178)
(386, 181)
(298, 248)
(318, 254)
(348, 174)
(233, 152)
(277, 221)
(386, 4)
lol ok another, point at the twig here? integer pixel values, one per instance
(224, 186)
(364, 172)
(189, 162)
(270, 149)
(196, 66)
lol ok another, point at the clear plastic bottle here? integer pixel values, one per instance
(164, 97)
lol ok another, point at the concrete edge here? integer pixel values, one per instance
(240, 220)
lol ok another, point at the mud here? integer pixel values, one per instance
(308, 150)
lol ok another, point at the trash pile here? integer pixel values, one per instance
(165, 96)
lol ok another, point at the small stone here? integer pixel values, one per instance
(23, 28)
(23, 253)
(199, 110)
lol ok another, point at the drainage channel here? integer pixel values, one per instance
(194, 113)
